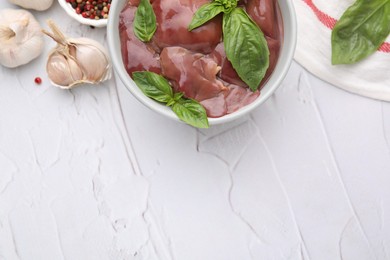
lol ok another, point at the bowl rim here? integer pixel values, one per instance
(285, 59)
(72, 13)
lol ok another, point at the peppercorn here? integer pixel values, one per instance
(92, 9)
(38, 80)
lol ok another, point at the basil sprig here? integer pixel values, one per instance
(157, 87)
(361, 30)
(245, 45)
(144, 24)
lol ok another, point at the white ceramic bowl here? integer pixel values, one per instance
(280, 71)
(87, 21)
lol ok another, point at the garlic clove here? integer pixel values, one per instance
(92, 58)
(39, 5)
(20, 38)
(62, 71)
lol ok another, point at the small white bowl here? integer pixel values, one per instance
(87, 21)
(276, 78)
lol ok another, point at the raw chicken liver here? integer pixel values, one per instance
(173, 18)
(136, 55)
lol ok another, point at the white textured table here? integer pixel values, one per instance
(93, 174)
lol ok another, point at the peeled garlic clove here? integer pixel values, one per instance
(63, 72)
(39, 5)
(92, 58)
(20, 38)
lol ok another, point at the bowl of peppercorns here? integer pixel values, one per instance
(90, 12)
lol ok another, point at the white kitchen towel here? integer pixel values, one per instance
(316, 18)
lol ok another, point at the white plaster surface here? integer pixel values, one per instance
(93, 174)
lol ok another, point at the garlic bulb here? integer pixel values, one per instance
(76, 61)
(20, 38)
(39, 5)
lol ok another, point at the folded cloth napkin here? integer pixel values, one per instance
(316, 18)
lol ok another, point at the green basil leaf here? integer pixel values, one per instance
(154, 86)
(204, 14)
(245, 47)
(191, 112)
(144, 21)
(362, 28)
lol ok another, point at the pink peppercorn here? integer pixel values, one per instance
(38, 80)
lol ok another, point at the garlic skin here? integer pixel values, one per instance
(76, 61)
(20, 38)
(39, 5)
